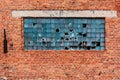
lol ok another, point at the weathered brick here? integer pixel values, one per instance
(19, 64)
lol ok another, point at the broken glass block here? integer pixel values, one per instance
(60, 34)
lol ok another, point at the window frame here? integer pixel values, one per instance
(64, 18)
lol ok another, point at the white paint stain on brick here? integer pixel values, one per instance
(65, 13)
(3, 78)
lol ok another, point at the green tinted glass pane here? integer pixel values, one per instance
(64, 34)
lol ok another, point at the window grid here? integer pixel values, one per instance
(64, 34)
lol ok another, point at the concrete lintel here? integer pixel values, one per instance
(64, 13)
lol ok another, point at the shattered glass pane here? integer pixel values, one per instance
(64, 34)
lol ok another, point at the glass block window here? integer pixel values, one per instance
(64, 34)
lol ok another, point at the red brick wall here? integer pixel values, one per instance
(18, 64)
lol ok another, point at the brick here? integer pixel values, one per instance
(19, 64)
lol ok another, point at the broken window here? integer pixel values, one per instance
(64, 34)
